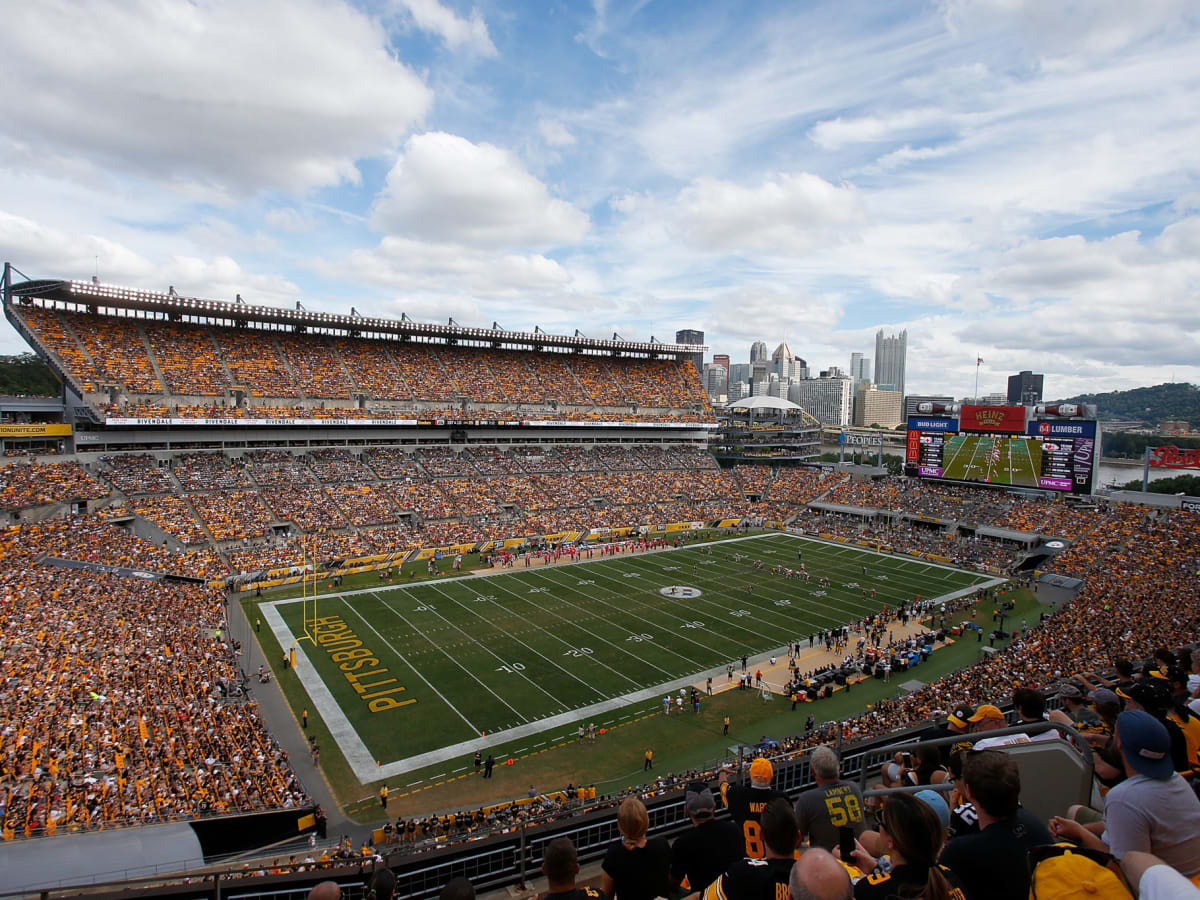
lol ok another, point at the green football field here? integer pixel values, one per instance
(995, 460)
(408, 676)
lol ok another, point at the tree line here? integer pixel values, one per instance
(25, 375)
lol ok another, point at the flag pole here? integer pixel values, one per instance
(978, 363)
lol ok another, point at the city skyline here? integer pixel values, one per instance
(1011, 182)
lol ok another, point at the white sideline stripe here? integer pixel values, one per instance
(343, 733)
(359, 757)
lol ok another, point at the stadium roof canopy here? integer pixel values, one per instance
(110, 299)
(761, 401)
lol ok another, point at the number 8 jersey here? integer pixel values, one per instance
(745, 804)
(821, 811)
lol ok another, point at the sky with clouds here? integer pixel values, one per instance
(1014, 180)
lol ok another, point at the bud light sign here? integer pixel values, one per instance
(917, 423)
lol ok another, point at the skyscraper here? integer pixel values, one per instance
(781, 362)
(758, 352)
(860, 368)
(721, 359)
(1025, 389)
(890, 353)
(691, 336)
(716, 381)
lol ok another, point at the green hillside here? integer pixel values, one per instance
(1150, 404)
(27, 376)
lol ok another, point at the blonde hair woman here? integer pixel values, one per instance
(636, 867)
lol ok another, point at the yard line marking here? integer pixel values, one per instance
(750, 599)
(495, 655)
(523, 644)
(463, 769)
(618, 626)
(389, 608)
(628, 614)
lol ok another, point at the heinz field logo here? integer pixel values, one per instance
(993, 418)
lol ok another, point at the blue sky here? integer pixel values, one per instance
(1009, 179)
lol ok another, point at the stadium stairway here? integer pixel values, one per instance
(154, 367)
(283, 725)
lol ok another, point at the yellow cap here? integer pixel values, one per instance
(761, 771)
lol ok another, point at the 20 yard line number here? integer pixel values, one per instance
(513, 668)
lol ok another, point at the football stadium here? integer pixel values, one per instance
(294, 597)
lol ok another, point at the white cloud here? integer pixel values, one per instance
(432, 16)
(1065, 34)
(555, 133)
(239, 97)
(43, 251)
(788, 212)
(834, 133)
(765, 312)
(443, 188)
(289, 219)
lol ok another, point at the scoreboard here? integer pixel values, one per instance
(1049, 455)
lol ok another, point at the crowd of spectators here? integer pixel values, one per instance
(121, 701)
(321, 372)
(25, 484)
(133, 474)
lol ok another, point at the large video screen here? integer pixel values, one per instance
(1057, 456)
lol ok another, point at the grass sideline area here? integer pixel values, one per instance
(778, 609)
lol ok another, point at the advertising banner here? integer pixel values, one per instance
(1008, 419)
(1061, 429)
(923, 423)
(44, 429)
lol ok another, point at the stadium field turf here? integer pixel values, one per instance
(992, 459)
(407, 676)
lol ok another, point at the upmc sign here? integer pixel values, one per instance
(1007, 419)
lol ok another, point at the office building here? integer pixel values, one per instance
(829, 400)
(716, 382)
(739, 372)
(782, 360)
(691, 336)
(890, 355)
(738, 390)
(860, 368)
(721, 359)
(1025, 389)
(875, 407)
(758, 352)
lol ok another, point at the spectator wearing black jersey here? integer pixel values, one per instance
(1006, 831)
(560, 865)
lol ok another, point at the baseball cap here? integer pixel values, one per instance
(960, 715)
(1070, 690)
(761, 772)
(1145, 743)
(987, 711)
(699, 800)
(1103, 695)
(938, 803)
(1143, 694)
